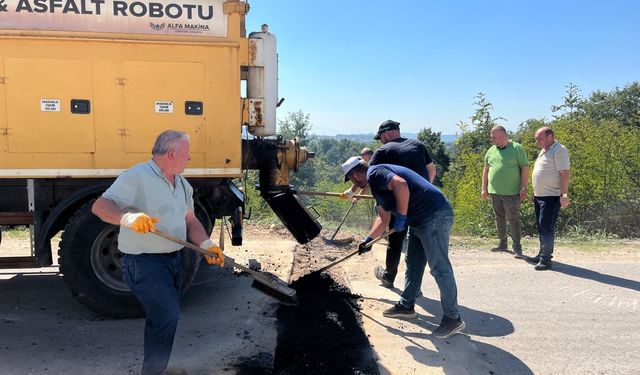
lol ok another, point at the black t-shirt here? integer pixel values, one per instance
(407, 153)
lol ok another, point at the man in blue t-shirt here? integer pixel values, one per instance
(416, 203)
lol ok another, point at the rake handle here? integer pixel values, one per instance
(332, 194)
(343, 219)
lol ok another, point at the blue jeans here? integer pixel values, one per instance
(155, 281)
(431, 238)
(547, 212)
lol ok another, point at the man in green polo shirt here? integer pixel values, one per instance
(504, 179)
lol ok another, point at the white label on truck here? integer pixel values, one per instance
(156, 17)
(50, 105)
(164, 106)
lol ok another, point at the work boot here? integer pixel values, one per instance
(533, 260)
(379, 272)
(517, 252)
(399, 311)
(502, 246)
(448, 327)
(542, 265)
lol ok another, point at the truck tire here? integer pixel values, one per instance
(91, 265)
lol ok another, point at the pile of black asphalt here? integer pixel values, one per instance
(323, 333)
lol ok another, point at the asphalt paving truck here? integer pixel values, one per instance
(87, 85)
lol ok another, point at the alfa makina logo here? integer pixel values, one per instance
(157, 27)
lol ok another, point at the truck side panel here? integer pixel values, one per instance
(39, 93)
(4, 145)
(124, 82)
(167, 86)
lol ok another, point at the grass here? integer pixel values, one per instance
(575, 241)
(19, 232)
(531, 244)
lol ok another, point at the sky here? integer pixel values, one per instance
(351, 65)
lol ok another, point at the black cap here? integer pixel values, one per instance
(386, 126)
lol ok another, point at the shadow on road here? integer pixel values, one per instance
(585, 273)
(478, 323)
(459, 354)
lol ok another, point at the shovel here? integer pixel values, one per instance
(368, 245)
(266, 283)
(342, 241)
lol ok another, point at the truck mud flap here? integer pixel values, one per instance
(293, 215)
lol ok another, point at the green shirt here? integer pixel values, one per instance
(504, 168)
(144, 188)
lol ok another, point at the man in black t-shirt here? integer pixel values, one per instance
(408, 153)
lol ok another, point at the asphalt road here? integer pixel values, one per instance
(580, 318)
(225, 324)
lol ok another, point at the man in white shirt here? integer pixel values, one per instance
(550, 192)
(149, 195)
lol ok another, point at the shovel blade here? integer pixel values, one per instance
(338, 241)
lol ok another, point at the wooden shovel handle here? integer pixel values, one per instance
(369, 244)
(191, 246)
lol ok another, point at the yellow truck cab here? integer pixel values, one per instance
(87, 85)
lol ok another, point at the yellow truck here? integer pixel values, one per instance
(87, 85)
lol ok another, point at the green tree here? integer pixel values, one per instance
(604, 197)
(463, 181)
(295, 125)
(571, 102)
(622, 105)
(432, 140)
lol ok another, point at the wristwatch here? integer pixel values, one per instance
(564, 195)
(523, 189)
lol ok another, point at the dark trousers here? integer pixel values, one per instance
(394, 251)
(155, 281)
(507, 209)
(547, 212)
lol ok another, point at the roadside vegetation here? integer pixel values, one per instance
(601, 131)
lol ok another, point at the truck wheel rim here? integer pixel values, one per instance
(106, 260)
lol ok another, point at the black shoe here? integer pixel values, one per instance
(542, 265)
(399, 311)
(533, 260)
(448, 327)
(379, 272)
(517, 253)
(501, 247)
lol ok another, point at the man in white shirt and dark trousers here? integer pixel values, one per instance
(550, 192)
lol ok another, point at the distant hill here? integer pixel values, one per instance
(448, 138)
(368, 137)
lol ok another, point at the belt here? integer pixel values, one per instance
(173, 253)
